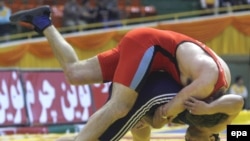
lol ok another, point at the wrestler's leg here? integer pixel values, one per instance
(158, 89)
(86, 71)
(122, 100)
(89, 71)
(76, 71)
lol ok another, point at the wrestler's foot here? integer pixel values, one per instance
(39, 17)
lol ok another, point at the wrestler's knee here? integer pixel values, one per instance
(72, 75)
(119, 109)
(81, 74)
(84, 71)
(123, 110)
(122, 99)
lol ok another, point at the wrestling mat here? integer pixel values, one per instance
(172, 133)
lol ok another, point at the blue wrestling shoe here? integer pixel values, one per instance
(39, 17)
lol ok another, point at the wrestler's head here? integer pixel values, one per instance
(195, 134)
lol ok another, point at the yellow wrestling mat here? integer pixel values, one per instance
(175, 133)
(128, 137)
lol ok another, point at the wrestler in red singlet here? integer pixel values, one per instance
(145, 50)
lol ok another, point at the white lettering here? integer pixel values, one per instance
(233, 133)
(16, 94)
(244, 133)
(238, 133)
(4, 101)
(46, 98)
(30, 98)
(85, 100)
(68, 111)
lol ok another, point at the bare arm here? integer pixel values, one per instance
(200, 88)
(196, 65)
(169, 111)
(229, 104)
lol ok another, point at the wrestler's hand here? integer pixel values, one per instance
(159, 119)
(167, 112)
(141, 124)
(197, 107)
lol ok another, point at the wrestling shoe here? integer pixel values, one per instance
(39, 17)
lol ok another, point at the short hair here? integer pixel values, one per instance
(205, 120)
(200, 120)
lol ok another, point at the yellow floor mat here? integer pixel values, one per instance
(165, 134)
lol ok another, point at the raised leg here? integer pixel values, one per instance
(76, 71)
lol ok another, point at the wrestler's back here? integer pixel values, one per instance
(191, 58)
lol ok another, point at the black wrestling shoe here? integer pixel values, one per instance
(39, 17)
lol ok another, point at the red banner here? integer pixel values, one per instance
(44, 98)
(12, 104)
(51, 100)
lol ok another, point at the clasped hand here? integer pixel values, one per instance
(167, 112)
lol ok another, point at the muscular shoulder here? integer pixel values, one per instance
(194, 55)
(195, 63)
